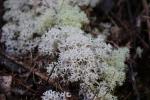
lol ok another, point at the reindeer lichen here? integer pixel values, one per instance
(53, 27)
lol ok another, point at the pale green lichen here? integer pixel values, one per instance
(46, 21)
(66, 15)
(71, 16)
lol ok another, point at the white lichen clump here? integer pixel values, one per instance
(28, 20)
(96, 65)
(52, 95)
(56, 35)
(53, 27)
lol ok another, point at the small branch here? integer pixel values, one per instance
(129, 11)
(21, 83)
(12, 65)
(135, 32)
(145, 17)
(51, 72)
(134, 85)
(146, 9)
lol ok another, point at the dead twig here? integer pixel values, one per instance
(11, 62)
(134, 85)
(135, 32)
(51, 73)
(24, 85)
(146, 10)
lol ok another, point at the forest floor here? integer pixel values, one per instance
(131, 27)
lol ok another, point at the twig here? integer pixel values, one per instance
(118, 21)
(30, 72)
(132, 74)
(129, 11)
(114, 44)
(9, 62)
(146, 9)
(136, 33)
(126, 98)
(51, 72)
(145, 17)
(21, 83)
